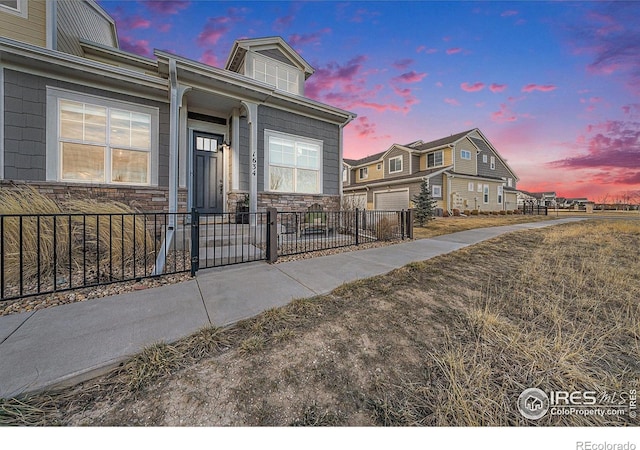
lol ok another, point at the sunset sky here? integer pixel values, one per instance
(555, 86)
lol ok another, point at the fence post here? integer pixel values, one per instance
(195, 241)
(357, 226)
(272, 235)
(409, 226)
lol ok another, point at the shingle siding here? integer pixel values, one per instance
(25, 131)
(78, 20)
(406, 158)
(484, 169)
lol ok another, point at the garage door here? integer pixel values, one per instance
(391, 201)
(353, 201)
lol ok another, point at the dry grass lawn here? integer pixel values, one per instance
(446, 225)
(451, 341)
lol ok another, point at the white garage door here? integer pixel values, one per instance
(353, 201)
(391, 201)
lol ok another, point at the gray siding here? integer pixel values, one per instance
(244, 155)
(406, 157)
(484, 169)
(276, 54)
(78, 20)
(286, 122)
(25, 125)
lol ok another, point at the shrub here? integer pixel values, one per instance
(456, 212)
(509, 212)
(466, 212)
(475, 212)
(503, 213)
(385, 229)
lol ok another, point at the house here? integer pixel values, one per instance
(548, 199)
(84, 118)
(464, 171)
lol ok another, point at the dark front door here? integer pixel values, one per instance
(207, 174)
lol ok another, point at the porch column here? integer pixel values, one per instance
(252, 119)
(177, 92)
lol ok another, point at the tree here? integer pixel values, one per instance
(424, 204)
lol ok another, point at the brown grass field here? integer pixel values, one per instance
(446, 225)
(451, 341)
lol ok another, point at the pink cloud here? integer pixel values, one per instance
(410, 77)
(538, 87)
(504, 114)
(402, 64)
(453, 51)
(475, 87)
(310, 38)
(610, 145)
(213, 30)
(139, 47)
(364, 127)
(164, 28)
(452, 101)
(495, 88)
(509, 13)
(132, 22)
(166, 6)
(424, 49)
(209, 58)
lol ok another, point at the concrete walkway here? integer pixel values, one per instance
(70, 343)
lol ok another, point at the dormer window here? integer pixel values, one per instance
(275, 73)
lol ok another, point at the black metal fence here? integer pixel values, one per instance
(47, 253)
(532, 209)
(309, 231)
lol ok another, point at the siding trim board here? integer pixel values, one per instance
(2, 121)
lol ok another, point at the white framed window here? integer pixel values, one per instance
(470, 186)
(465, 154)
(510, 182)
(493, 163)
(485, 194)
(436, 191)
(379, 166)
(345, 174)
(395, 164)
(484, 159)
(293, 163)
(363, 173)
(276, 73)
(435, 159)
(479, 187)
(17, 7)
(92, 139)
(500, 191)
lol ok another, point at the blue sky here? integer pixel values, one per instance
(555, 86)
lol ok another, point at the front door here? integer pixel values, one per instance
(207, 173)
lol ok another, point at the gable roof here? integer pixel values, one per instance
(242, 46)
(443, 141)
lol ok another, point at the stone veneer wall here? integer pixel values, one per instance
(287, 202)
(140, 198)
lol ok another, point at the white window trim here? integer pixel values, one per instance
(484, 159)
(500, 194)
(510, 182)
(493, 163)
(393, 159)
(54, 169)
(434, 158)
(436, 191)
(296, 139)
(362, 170)
(289, 69)
(379, 166)
(470, 187)
(485, 194)
(462, 152)
(22, 11)
(345, 174)
(479, 188)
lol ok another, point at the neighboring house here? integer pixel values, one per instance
(464, 172)
(82, 117)
(524, 197)
(548, 199)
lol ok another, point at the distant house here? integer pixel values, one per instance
(464, 171)
(81, 117)
(548, 199)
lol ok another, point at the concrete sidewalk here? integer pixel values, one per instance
(74, 342)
